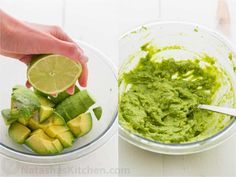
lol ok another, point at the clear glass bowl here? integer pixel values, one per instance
(196, 39)
(102, 84)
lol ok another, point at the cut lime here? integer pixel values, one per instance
(52, 74)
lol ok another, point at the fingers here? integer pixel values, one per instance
(23, 58)
(27, 84)
(60, 34)
(70, 50)
(71, 90)
(84, 75)
(26, 59)
(11, 55)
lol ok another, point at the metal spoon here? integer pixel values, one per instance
(223, 110)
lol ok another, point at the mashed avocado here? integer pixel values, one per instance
(162, 95)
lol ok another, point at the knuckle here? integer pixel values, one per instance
(72, 49)
(56, 28)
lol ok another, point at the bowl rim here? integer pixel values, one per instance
(11, 153)
(146, 141)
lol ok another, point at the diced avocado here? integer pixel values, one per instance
(58, 146)
(62, 133)
(23, 120)
(45, 102)
(9, 116)
(38, 131)
(18, 132)
(33, 124)
(74, 126)
(40, 143)
(42, 134)
(66, 138)
(62, 96)
(80, 125)
(43, 98)
(56, 119)
(75, 105)
(98, 112)
(24, 101)
(44, 113)
(54, 130)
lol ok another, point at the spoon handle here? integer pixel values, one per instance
(223, 110)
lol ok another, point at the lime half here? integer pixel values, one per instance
(52, 74)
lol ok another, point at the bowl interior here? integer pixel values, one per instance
(195, 40)
(102, 84)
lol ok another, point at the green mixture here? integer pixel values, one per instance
(161, 101)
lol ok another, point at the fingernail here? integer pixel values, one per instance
(26, 59)
(27, 84)
(71, 90)
(80, 50)
(83, 58)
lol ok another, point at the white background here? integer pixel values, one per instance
(100, 23)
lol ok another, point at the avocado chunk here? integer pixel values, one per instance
(23, 120)
(43, 98)
(45, 102)
(41, 133)
(75, 105)
(41, 143)
(80, 125)
(62, 96)
(58, 146)
(9, 116)
(44, 113)
(54, 119)
(66, 138)
(24, 101)
(54, 130)
(33, 124)
(98, 112)
(18, 132)
(62, 133)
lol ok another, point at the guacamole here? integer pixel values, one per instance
(161, 98)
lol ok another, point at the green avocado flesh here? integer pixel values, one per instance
(18, 132)
(40, 121)
(81, 125)
(41, 143)
(161, 97)
(75, 105)
(98, 112)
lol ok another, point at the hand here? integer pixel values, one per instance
(21, 40)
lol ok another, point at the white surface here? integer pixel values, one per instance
(99, 22)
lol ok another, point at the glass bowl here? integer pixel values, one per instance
(102, 84)
(195, 39)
